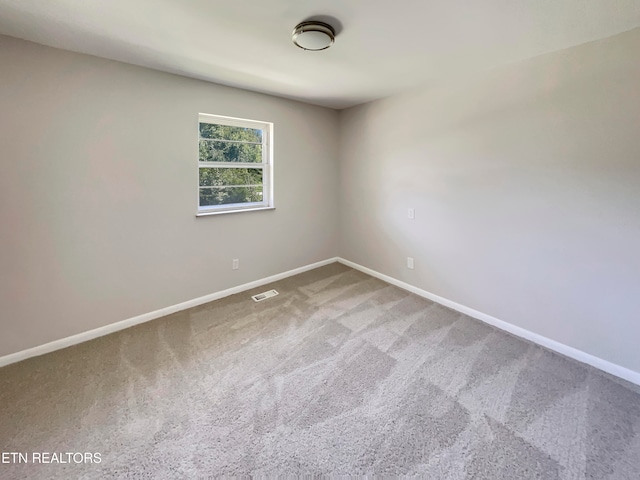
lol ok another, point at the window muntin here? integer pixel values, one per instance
(235, 167)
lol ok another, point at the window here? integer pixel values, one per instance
(235, 166)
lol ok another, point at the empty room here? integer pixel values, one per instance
(326, 239)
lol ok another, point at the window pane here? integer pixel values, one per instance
(225, 132)
(212, 177)
(213, 151)
(225, 195)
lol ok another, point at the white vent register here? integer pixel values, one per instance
(263, 296)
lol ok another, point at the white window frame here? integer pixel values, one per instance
(266, 165)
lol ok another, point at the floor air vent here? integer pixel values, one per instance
(263, 296)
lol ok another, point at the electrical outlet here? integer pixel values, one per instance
(235, 264)
(411, 213)
(410, 263)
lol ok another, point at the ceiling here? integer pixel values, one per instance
(382, 46)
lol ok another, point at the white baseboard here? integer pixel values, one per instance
(579, 355)
(146, 317)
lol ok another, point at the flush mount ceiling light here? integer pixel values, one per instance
(313, 35)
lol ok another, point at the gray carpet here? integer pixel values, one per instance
(341, 374)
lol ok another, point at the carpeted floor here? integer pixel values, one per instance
(341, 374)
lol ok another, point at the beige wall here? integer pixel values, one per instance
(526, 185)
(98, 179)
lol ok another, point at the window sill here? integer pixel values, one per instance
(239, 210)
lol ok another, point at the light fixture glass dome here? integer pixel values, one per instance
(313, 36)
